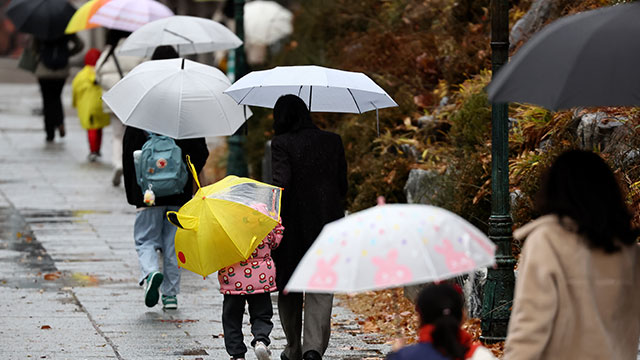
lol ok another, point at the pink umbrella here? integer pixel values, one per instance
(129, 15)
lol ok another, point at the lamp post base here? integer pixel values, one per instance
(498, 289)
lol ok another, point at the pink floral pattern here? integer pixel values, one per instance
(255, 275)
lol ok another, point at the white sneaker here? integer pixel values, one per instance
(261, 350)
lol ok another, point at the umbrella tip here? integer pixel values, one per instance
(381, 200)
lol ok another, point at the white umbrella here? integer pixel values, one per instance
(129, 15)
(389, 246)
(322, 89)
(266, 22)
(178, 98)
(188, 34)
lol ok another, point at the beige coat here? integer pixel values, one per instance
(572, 302)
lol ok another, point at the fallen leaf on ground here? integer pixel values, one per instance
(52, 276)
(45, 327)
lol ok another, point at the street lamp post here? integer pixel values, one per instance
(237, 162)
(498, 290)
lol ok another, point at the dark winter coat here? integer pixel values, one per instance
(133, 140)
(310, 165)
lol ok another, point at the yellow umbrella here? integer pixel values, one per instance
(222, 225)
(80, 20)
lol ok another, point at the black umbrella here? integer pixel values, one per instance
(45, 19)
(588, 59)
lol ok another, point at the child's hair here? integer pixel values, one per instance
(441, 305)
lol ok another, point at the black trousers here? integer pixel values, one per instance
(260, 313)
(51, 90)
(316, 330)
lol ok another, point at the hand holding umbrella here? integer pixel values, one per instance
(219, 226)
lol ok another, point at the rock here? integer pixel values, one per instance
(595, 130)
(410, 151)
(539, 14)
(473, 288)
(426, 120)
(424, 187)
(623, 147)
(515, 198)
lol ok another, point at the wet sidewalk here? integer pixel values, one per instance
(68, 267)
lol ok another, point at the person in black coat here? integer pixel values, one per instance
(311, 167)
(152, 230)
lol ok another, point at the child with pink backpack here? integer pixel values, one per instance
(251, 281)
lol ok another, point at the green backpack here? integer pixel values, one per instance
(160, 167)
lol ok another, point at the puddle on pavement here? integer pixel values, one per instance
(39, 270)
(33, 259)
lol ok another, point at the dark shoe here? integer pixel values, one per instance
(61, 130)
(49, 138)
(151, 294)
(311, 355)
(117, 175)
(169, 302)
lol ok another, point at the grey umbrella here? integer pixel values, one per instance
(45, 19)
(588, 59)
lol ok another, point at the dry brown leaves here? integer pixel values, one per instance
(390, 315)
(386, 313)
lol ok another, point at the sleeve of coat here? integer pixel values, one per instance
(535, 300)
(280, 165)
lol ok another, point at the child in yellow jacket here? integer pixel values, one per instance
(87, 98)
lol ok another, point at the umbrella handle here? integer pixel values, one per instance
(193, 171)
(185, 222)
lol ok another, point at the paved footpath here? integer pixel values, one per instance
(68, 267)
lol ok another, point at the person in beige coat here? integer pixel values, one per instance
(577, 292)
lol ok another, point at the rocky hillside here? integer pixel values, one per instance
(433, 58)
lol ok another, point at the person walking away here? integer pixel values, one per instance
(440, 309)
(578, 284)
(87, 98)
(311, 167)
(255, 289)
(110, 69)
(52, 72)
(152, 230)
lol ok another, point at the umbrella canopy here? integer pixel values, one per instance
(221, 224)
(266, 22)
(390, 246)
(178, 98)
(45, 19)
(587, 59)
(80, 20)
(129, 15)
(188, 34)
(322, 89)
